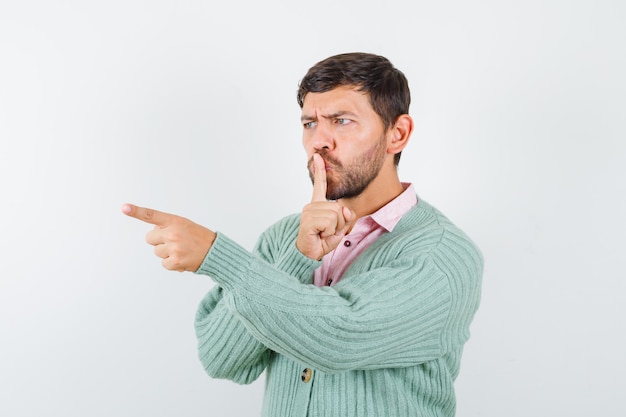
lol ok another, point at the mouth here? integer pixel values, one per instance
(328, 168)
(328, 162)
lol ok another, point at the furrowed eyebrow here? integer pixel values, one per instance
(336, 115)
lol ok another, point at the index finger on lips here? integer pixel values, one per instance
(319, 179)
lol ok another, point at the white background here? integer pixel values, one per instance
(189, 107)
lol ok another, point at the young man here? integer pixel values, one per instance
(361, 304)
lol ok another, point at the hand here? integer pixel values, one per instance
(323, 223)
(181, 243)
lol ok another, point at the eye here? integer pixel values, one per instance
(309, 125)
(342, 121)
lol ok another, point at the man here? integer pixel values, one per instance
(361, 304)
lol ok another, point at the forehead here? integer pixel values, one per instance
(337, 100)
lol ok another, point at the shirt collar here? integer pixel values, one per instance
(390, 214)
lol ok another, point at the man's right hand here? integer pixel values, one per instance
(323, 223)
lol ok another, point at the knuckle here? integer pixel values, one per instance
(171, 235)
(171, 263)
(148, 214)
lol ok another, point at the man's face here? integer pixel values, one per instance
(344, 129)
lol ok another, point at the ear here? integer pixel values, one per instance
(399, 134)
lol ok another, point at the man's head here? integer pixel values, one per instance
(386, 86)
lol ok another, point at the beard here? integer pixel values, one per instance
(351, 179)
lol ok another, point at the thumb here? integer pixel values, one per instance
(350, 218)
(348, 214)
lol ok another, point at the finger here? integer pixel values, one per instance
(162, 251)
(319, 179)
(341, 223)
(155, 236)
(327, 220)
(327, 226)
(172, 264)
(147, 215)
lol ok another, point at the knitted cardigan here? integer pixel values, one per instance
(384, 341)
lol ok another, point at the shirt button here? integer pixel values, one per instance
(347, 243)
(306, 375)
(330, 281)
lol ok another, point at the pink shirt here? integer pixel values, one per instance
(366, 230)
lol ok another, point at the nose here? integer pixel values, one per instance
(321, 137)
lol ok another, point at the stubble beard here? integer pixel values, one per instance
(350, 180)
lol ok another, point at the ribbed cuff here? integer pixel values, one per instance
(296, 264)
(226, 262)
(229, 264)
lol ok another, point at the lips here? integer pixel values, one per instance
(329, 163)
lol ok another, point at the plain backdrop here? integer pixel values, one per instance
(189, 107)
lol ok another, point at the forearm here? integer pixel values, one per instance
(361, 326)
(225, 347)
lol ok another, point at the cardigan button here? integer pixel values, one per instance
(306, 375)
(347, 243)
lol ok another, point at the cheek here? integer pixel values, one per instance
(370, 153)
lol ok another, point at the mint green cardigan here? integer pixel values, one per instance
(384, 341)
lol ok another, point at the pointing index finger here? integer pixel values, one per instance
(147, 215)
(319, 179)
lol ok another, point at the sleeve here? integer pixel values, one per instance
(226, 348)
(392, 314)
